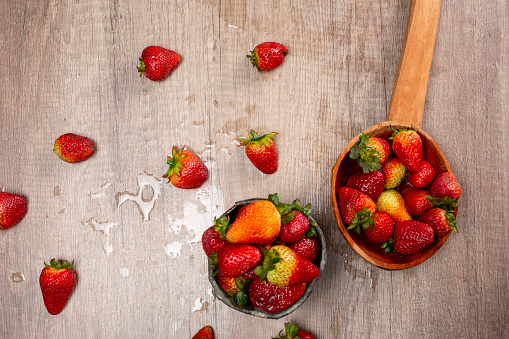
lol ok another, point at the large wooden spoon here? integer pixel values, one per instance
(405, 111)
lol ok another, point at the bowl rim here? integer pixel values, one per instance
(430, 251)
(225, 298)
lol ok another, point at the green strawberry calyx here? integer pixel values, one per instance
(270, 258)
(396, 131)
(367, 157)
(222, 225)
(254, 138)
(388, 246)
(291, 331)
(61, 264)
(253, 57)
(175, 164)
(142, 66)
(287, 210)
(362, 218)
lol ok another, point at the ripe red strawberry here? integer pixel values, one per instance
(370, 152)
(213, 238)
(394, 172)
(13, 208)
(261, 150)
(186, 169)
(441, 221)
(236, 259)
(297, 224)
(411, 236)
(157, 62)
(290, 268)
(371, 183)
(392, 203)
(260, 223)
(205, 333)
(407, 145)
(351, 201)
(423, 177)
(446, 185)
(308, 247)
(231, 285)
(73, 148)
(416, 201)
(57, 281)
(273, 299)
(382, 229)
(293, 332)
(268, 55)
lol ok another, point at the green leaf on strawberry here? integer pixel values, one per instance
(367, 157)
(269, 259)
(284, 209)
(362, 218)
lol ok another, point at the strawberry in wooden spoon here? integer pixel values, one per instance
(261, 150)
(186, 169)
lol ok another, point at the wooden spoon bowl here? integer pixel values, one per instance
(406, 111)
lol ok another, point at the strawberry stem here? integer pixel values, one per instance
(367, 157)
(174, 162)
(142, 67)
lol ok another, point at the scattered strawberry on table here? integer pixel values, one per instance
(266, 255)
(205, 333)
(73, 148)
(13, 208)
(57, 280)
(293, 332)
(261, 150)
(395, 196)
(268, 55)
(186, 169)
(157, 62)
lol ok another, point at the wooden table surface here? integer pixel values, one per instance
(71, 67)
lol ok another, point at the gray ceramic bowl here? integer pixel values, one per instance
(225, 298)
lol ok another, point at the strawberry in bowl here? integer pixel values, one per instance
(267, 256)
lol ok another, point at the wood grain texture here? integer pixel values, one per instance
(71, 67)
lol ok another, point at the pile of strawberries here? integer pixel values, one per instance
(265, 257)
(395, 197)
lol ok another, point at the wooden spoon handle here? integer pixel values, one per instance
(409, 92)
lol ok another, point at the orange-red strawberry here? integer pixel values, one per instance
(273, 299)
(293, 332)
(205, 333)
(416, 201)
(268, 55)
(213, 238)
(370, 152)
(423, 177)
(446, 185)
(394, 172)
(308, 247)
(407, 145)
(440, 220)
(236, 259)
(382, 228)
(259, 223)
(411, 236)
(290, 269)
(392, 203)
(57, 281)
(297, 224)
(157, 62)
(13, 208)
(371, 183)
(73, 148)
(351, 201)
(186, 169)
(261, 150)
